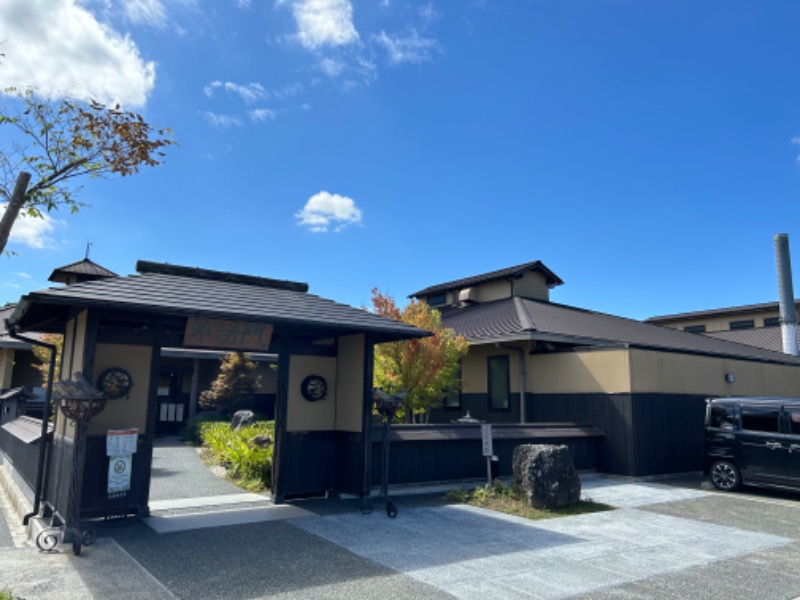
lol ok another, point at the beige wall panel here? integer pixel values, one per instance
(302, 415)
(6, 367)
(493, 290)
(723, 323)
(603, 371)
(350, 383)
(474, 368)
(532, 285)
(124, 412)
(663, 372)
(72, 352)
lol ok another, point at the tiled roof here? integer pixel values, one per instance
(552, 279)
(82, 268)
(521, 318)
(6, 341)
(770, 338)
(713, 312)
(169, 294)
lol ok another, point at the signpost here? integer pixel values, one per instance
(486, 439)
(120, 448)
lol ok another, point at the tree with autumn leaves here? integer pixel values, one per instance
(49, 143)
(428, 368)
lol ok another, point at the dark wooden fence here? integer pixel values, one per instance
(433, 453)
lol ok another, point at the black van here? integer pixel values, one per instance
(753, 441)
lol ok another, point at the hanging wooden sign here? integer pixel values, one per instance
(224, 334)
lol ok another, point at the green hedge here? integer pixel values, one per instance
(249, 465)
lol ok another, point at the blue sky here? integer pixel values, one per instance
(645, 150)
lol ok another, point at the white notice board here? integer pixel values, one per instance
(120, 442)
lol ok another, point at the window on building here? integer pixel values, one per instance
(453, 399)
(437, 299)
(746, 324)
(772, 321)
(695, 329)
(499, 386)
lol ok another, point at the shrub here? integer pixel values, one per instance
(248, 464)
(191, 431)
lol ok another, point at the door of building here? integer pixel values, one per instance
(172, 406)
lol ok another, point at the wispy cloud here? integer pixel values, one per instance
(331, 67)
(33, 232)
(409, 47)
(222, 121)
(263, 114)
(324, 23)
(249, 92)
(324, 211)
(146, 12)
(61, 49)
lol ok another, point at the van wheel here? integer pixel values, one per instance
(725, 476)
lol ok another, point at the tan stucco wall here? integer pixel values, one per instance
(72, 352)
(674, 373)
(596, 371)
(350, 380)
(302, 415)
(474, 368)
(494, 290)
(125, 412)
(724, 323)
(6, 367)
(532, 285)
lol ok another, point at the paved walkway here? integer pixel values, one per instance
(664, 541)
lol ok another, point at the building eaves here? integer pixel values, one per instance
(510, 272)
(485, 323)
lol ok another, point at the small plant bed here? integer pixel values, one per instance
(505, 498)
(246, 464)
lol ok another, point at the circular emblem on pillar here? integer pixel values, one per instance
(115, 383)
(314, 387)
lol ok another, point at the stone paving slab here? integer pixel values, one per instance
(624, 493)
(467, 551)
(203, 501)
(226, 518)
(103, 570)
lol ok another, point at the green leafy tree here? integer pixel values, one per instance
(428, 368)
(43, 355)
(234, 387)
(50, 143)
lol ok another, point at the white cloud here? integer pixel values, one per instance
(324, 210)
(30, 231)
(410, 48)
(222, 121)
(147, 12)
(263, 114)
(324, 23)
(243, 3)
(61, 49)
(248, 93)
(331, 67)
(24, 275)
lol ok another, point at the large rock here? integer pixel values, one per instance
(242, 418)
(546, 475)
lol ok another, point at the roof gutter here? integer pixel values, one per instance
(37, 498)
(522, 377)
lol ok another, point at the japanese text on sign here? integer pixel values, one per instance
(121, 441)
(219, 333)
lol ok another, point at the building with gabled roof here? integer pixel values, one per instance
(643, 385)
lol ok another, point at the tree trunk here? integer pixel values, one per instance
(14, 206)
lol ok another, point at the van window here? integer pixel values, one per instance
(721, 417)
(794, 422)
(760, 420)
